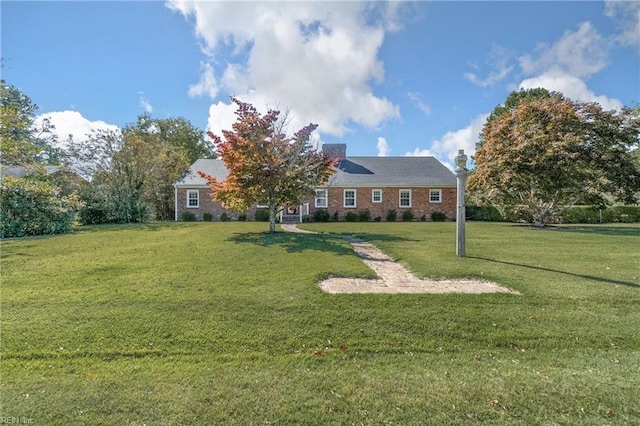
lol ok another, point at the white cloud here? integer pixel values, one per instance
(383, 147)
(221, 117)
(419, 102)
(580, 53)
(72, 123)
(627, 15)
(319, 59)
(499, 61)
(144, 103)
(208, 85)
(446, 148)
(571, 87)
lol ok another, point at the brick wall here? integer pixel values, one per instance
(420, 204)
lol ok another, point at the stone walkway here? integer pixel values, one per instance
(395, 278)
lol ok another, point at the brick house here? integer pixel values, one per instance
(422, 185)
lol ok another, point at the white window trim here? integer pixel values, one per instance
(373, 191)
(197, 192)
(326, 199)
(433, 191)
(400, 199)
(344, 199)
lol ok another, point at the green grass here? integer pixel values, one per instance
(218, 323)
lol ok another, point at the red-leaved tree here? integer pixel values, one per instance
(265, 165)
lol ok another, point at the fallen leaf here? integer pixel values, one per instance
(318, 353)
(344, 348)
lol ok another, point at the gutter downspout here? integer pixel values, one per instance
(175, 203)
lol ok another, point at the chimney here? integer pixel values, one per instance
(336, 150)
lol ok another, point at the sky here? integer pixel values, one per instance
(386, 78)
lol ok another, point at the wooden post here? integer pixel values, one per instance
(461, 175)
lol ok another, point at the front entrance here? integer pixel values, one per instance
(294, 214)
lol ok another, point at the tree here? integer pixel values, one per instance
(21, 142)
(265, 165)
(544, 154)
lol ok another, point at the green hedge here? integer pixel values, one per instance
(593, 214)
(34, 206)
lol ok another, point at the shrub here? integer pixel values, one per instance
(242, 217)
(224, 217)
(207, 217)
(392, 215)
(188, 217)
(423, 218)
(306, 218)
(262, 215)
(377, 219)
(407, 216)
(438, 216)
(321, 215)
(336, 216)
(364, 216)
(483, 213)
(593, 214)
(34, 206)
(351, 217)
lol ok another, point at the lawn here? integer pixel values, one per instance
(218, 323)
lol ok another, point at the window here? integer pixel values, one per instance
(321, 198)
(405, 198)
(376, 195)
(193, 198)
(435, 195)
(349, 197)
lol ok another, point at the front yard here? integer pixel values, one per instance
(218, 323)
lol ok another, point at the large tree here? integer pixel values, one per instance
(265, 165)
(545, 153)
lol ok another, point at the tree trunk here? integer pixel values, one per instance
(272, 218)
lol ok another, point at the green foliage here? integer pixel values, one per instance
(594, 214)
(423, 218)
(407, 216)
(34, 206)
(262, 215)
(377, 219)
(438, 216)
(336, 216)
(207, 217)
(224, 217)
(321, 215)
(392, 215)
(188, 217)
(21, 142)
(487, 213)
(351, 216)
(242, 217)
(543, 153)
(364, 216)
(105, 202)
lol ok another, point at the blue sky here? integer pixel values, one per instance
(397, 78)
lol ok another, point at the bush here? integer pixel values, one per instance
(377, 219)
(207, 217)
(321, 215)
(188, 217)
(242, 217)
(262, 215)
(34, 206)
(351, 217)
(224, 217)
(423, 218)
(438, 216)
(336, 216)
(392, 215)
(483, 213)
(594, 214)
(364, 216)
(106, 203)
(407, 216)
(306, 218)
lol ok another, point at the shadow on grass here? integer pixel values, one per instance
(372, 238)
(294, 242)
(539, 268)
(623, 231)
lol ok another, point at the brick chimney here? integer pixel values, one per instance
(336, 150)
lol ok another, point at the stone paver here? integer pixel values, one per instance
(395, 278)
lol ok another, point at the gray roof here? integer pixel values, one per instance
(212, 167)
(392, 171)
(353, 171)
(22, 171)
